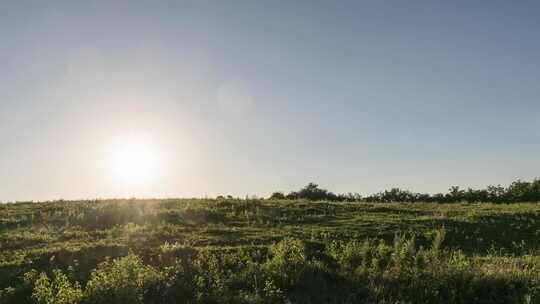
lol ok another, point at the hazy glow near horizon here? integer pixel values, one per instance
(134, 164)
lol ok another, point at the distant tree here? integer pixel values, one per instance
(277, 196)
(292, 195)
(518, 191)
(496, 194)
(314, 193)
(394, 195)
(455, 194)
(349, 197)
(438, 197)
(423, 197)
(535, 190)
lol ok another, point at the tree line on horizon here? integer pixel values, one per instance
(517, 191)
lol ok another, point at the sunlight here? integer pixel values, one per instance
(134, 163)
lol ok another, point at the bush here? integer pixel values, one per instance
(288, 262)
(124, 280)
(59, 290)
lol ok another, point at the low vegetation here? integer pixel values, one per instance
(268, 251)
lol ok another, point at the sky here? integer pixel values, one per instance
(201, 98)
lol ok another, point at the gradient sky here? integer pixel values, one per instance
(248, 97)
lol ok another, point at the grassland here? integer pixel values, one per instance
(268, 251)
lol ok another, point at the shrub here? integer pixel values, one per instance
(124, 280)
(59, 290)
(288, 261)
(351, 256)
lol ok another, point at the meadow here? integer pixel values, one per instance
(268, 251)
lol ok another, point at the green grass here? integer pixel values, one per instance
(494, 243)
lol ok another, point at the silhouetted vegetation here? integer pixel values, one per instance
(518, 191)
(312, 192)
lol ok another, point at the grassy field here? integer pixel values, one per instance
(265, 251)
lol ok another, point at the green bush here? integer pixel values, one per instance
(288, 261)
(124, 280)
(58, 290)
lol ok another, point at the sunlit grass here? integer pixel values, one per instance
(489, 239)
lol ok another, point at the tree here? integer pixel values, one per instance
(277, 196)
(314, 193)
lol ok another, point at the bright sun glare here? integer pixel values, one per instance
(134, 163)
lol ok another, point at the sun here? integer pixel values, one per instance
(134, 163)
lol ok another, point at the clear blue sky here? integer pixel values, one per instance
(248, 97)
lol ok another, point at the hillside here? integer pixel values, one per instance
(268, 251)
